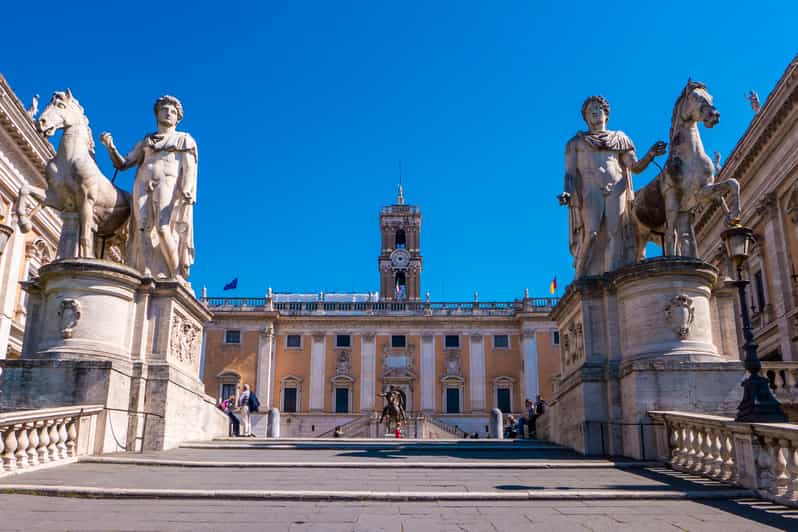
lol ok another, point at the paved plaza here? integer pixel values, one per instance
(377, 485)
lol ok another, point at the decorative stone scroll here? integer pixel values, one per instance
(343, 364)
(453, 364)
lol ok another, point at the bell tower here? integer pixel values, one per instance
(400, 258)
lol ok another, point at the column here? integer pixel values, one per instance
(368, 370)
(263, 385)
(477, 365)
(427, 373)
(317, 364)
(529, 368)
(14, 255)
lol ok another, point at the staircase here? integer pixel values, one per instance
(462, 475)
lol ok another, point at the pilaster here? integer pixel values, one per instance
(317, 367)
(368, 370)
(427, 373)
(477, 365)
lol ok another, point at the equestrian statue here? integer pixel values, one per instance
(395, 408)
(75, 184)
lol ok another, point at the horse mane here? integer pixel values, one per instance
(691, 85)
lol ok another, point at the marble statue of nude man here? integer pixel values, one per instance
(164, 192)
(598, 190)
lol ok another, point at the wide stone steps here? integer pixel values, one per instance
(357, 469)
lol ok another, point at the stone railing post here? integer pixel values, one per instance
(273, 424)
(33, 443)
(496, 424)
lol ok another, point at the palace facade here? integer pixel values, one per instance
(23, 155)
(326, 357)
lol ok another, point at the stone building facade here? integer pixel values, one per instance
(23, 155)
(765, 162)
(328, 356)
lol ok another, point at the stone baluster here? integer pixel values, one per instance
(708, 459)
(689, 459)
(782, 478)
(727, 452)
(52, 448)
(677, 445)
(72, 437)
(698, 444)
(763, 463)
(719, 460)
(789, 380)
(33, 439)
(22, 446)
(10, 444)
(792, 492)
(62, 438)
(44, 441)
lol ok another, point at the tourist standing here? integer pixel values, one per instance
(228, 406)
(243, 405)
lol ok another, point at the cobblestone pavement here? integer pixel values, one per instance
(30, 513)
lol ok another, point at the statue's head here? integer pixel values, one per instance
(595, 109)
(168, 110)
(696, 105)
(63, 111)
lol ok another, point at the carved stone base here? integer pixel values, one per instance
(638, 339)
(100, 333)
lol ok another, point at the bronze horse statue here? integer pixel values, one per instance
(75, 183)
(394, 411)
(667, 206)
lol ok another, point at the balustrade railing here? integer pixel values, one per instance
(783, 377)
(758, 456)
(454, 308)
(35, 437)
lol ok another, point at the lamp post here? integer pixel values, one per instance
(758, 404)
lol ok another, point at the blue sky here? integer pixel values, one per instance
(302, 111)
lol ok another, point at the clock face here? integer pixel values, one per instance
(400, 258)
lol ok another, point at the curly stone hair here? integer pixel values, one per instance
(171, 100)
(601, 100)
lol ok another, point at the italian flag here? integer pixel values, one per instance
(553, 285)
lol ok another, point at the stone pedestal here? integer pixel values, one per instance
(639, 339)
(98, 332)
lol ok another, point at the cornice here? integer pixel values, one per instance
(753, 144)
(14, 119)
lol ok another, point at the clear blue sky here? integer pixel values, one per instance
(302, 110)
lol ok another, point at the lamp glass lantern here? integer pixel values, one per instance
(739, 241)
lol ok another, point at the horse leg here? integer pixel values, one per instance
(86, 245)
(672, 219)
(729, 187)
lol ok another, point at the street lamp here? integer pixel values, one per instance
(758, 404)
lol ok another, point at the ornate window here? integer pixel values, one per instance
(398, 340)
(453, 388)
(290, 394)
(451, 341)
(229, 381)
(555, 338)
(503, 393)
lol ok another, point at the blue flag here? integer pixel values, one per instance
(232, 284)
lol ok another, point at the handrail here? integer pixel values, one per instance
(460, 433)
(23, 416)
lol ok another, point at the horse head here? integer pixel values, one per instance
(695, 105)
(62, 111)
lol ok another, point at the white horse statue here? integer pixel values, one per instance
(74, 182)
(667, 206)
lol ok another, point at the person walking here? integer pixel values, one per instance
(243, 410)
